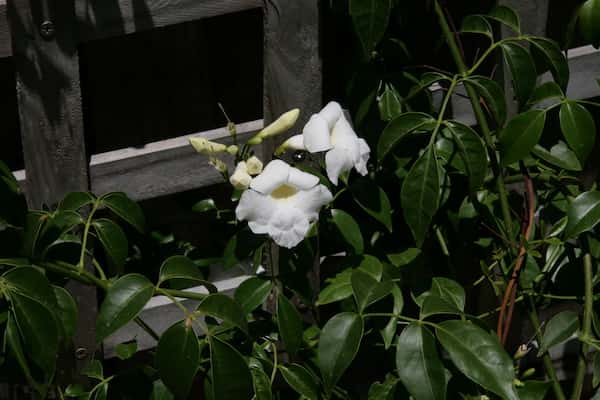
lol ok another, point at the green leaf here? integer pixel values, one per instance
(596, 370)
(520, 135)
(113, 240)
(389, 103)
(13, 341)
(370, 19)
(477, 24)
(388, 333)
(204, 206)
(230, 374)
(583, 213)
(367, 290)
(223, 307)
(289, 323)
(300, 380)
(553, 57)
(559, 155)
(472, 153)
(66, 312)
(373, 200)
(124, 300)
(398, 128)
(384, 390)
(260, 381)
(522, 69)
(349, 230)
(420, 194)
(31, 283)
(418, 364)
(240, 246)
(507, 16)
(252, 293)
(547, 90)
(177, 358)
(94, 370)
(533, 390)
(492, 93)
(404, 258)
(339, 343)
(182, 268)
(578, 127)
(479, 356)
(126, 209)
(449, 290)
(589, 21)
(160, 391)
(75, 200)
(434, 305)
(560, 328)
(125, 351)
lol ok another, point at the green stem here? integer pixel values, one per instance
(586, 328)
(147, 328)
(86, 232)
(480, 116)
(274, 372)
(548, 366)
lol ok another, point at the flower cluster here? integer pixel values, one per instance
(280, 200)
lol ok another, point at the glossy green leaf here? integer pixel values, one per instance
(34, 223)
(373, 200)
(547, 90)
(339, 343)
(420, 194)
(126, 209)
(589, 21)
(160, 391)
(434, 305)
(204, 206)
(583, 213)
(533, 390)
(348, 229)
(240, 247)
(553, 57)
(477, 24)
(388, 333)
(559, 155)
(125, 351)
(230, 374)
(418, 364)
(182, 268)
(223, 307)
(177, 358)
(449, 290)
(560, 328)
(57, 225)
(300, 380)
(404, 258)
(384, 390)
(479, 355)
(370, 19)
(367, 290)
(578, 127)
(472, 153)
(75, 200)
(520, 135)
(289, 323)
(66, 312)
(31, 283)
(252, 293)
(260, 381)
(522, 69)
(13, 342)
(389, 103)
(492, 94)
(398, 128)
(113, 240)
(93, 369)
(340, 286)
(507, 16)
(124, 300)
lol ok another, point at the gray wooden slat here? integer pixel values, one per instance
(5, 39)
(104, 18)
(50, 113)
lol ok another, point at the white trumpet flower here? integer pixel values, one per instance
(330, 131)
(282, 202)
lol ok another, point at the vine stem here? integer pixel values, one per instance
(586, 328)
(86, 232)
(479, 115)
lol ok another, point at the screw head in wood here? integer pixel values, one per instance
(47, 30)
(81, 353)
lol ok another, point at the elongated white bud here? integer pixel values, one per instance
(280, 125)
(205, 146)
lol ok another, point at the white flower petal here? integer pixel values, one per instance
(331, 113)
(316, 134)
(274, 175)
(364, 151)
(255, 207)
(301, 180)
(342, 133)
(295, 142)
(310, 201)
(289, 226)
(337, 161)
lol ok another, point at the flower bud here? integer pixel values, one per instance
(293, 143)
(218, 164)
(205, 146)
(521, 352)
(528, 372)
(280, 125)
(240, 178)
(233, 149)
(254, 165)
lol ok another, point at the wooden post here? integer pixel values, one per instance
(50, 112)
